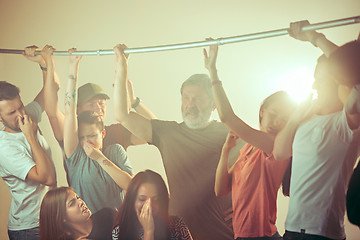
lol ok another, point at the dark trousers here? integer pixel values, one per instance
(303, 236)
(26, 234)
(276, 236)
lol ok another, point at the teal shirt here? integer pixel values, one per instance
(91, 182)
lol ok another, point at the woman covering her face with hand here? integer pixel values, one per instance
(144, 212)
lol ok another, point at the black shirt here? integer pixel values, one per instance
(103, 221)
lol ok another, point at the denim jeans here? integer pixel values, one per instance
(276, 236)
(302, 236)
(26, 234)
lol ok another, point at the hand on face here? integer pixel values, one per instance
(146, 217)
(27, 126)
(93, 152)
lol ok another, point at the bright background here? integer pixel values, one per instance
(250, 71)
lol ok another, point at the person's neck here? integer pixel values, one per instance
(81, 231)
(203, 125)
(9, 130)
(328, 106)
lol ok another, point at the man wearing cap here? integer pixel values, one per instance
(91, 97)
(97, 173)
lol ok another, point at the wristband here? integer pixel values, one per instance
(43, 68)
(136, 103)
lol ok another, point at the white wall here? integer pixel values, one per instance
(250, 70)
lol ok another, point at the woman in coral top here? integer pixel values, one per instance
(255, 178)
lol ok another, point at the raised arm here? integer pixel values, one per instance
(121, 178)
(250, 135)
(71, 138)
(51, 88)
(29, 53)
(44, 171)
(134, 122)
(140, 108)
(317, 39)
(223, 177)
(344, 64)
(284, 139)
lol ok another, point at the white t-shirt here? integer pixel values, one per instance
(319, 177)
(16, 160)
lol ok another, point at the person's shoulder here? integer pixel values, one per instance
(10, 141)
(164, 121)
(176, 220)
(114, 149)
(106, 213)
(215, 123)
(157, 123)
(115, 127)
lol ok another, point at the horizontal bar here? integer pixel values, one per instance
(219, 41)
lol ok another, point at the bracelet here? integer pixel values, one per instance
(136, 103)
(315, 38)
(215, 82)
(43, 68)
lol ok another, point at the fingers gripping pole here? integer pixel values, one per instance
(219, 41)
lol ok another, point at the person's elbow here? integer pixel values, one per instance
(280, 154)
(117, 116)
(226, 116)
(48, 178)
(120, 116)
(221, 191)
(50, 181)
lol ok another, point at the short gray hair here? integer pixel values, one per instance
(199, 79)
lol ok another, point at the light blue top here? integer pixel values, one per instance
(90, 181)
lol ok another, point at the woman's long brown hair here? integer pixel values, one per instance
(52, 215)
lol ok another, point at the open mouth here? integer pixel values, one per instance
(86, 209)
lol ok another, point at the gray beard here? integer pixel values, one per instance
(201, 123)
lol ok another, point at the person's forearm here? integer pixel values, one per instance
(223, 178)
(56, 117)
(222, 103)
(326, 46)
(284, 140)
(121, 178)
(50, 93)
(148, 235)
(44, 167)
(145, 111)
(70, 121)
(40, 97)
(121, 109)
